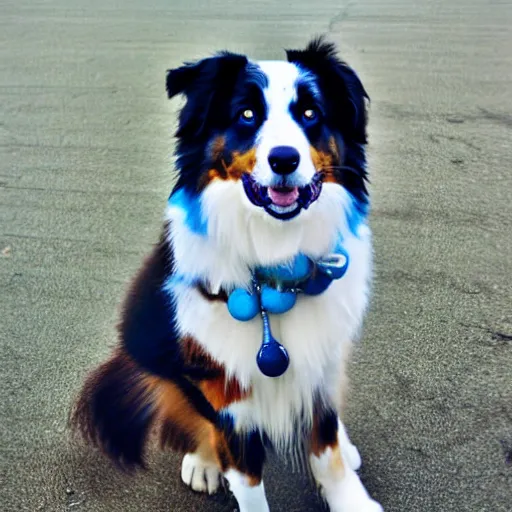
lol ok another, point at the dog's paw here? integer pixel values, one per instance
(349, 451)
(349, 495)
(364, 505)
(351, 456)
(200, 475)
(369, 506)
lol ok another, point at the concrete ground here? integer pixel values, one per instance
(85, 169)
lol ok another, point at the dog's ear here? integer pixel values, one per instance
(179, 80)
(203, 82)
(340, 86)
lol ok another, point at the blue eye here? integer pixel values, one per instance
(310, 116)
(247, 116)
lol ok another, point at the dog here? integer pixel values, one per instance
(271, 165)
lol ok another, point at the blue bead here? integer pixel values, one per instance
(243, 305)
(277, 302)
(318, 285)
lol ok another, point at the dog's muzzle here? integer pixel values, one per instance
(283, 203)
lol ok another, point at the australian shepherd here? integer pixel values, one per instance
(270, 167)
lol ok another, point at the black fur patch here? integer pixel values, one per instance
(247, 449)
(147, 329)
(217, 90)
(327, 429)
(340, 87)
(344, 108)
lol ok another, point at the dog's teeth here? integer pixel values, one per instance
(283, 209)
(259, 196)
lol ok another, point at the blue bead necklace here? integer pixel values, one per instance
(274, 290)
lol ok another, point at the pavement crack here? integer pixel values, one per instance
(500, 336)
(499, 118)
(436, 138)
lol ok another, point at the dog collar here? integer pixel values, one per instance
(274, 290)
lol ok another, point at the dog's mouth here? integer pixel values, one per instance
(282, 202)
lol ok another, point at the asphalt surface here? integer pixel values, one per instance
(85, 169)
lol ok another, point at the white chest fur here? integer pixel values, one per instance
(317, 331)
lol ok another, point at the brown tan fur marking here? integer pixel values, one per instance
(219, 390)
(323, 438)
(326, 160)
(240, 163)
(180, 426)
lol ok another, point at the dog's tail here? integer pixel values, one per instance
(121, 405)
(116, 409)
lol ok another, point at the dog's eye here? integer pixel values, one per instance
(247, 116)
(310, 115)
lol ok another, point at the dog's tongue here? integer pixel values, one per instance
(283, 196)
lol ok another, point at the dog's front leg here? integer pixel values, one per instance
(245, 483)
(249, 493)
(334, 471)
(238, 456)
(241, 456)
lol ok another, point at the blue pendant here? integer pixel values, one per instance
(275, 291)
(272, 357)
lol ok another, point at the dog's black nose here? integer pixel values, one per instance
(283, 159)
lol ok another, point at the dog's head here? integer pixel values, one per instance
(266, 141)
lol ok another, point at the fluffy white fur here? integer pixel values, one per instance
(341, 486)
(317, 332)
